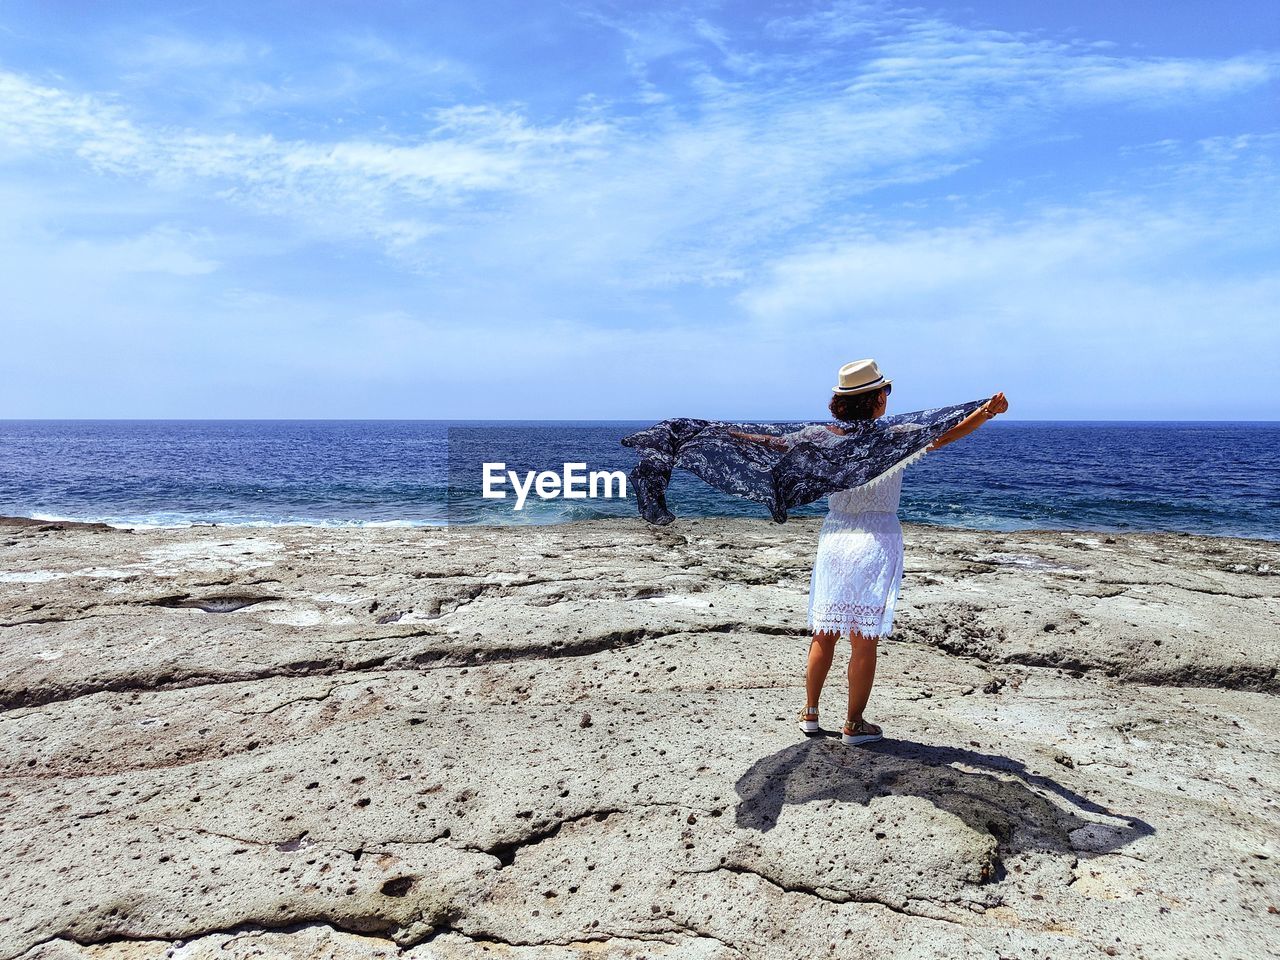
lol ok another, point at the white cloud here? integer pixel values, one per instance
(164, 249)
(1144, 294)
(164, 52)
(390, 191)
(839, 21)
(971, 264)
(724, 204)
(765, 145)
(933, 58)
(1173, 81)
(234, 77)
(35, 118)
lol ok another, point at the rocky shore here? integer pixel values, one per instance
(580, 741)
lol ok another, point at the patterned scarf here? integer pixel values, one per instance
(811, 466)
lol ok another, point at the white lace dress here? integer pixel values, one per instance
(858, 568)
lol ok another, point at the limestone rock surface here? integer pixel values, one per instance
(580, 741)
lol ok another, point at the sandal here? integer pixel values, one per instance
(809, 720)
(859, 732)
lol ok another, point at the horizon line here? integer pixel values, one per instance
(1002, 419)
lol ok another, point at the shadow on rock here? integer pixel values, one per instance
(989, 792)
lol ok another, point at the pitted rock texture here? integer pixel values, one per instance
(576, 741)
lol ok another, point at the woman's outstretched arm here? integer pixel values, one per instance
(996, 405)
(776, 443)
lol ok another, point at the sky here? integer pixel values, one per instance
(590, 210)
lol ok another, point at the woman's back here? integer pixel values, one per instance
(878, 496)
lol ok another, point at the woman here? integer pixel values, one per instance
(858, 568)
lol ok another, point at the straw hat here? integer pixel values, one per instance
(861, 376)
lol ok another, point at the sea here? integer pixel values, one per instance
(1197, 477)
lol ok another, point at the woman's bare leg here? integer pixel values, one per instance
(822, 649)
(862, 673)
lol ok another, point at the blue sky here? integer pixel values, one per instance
(613, 210)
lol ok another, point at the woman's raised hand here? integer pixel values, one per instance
(997, 404)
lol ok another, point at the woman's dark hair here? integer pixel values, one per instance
(858, 406)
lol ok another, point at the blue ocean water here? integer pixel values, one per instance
(1212, 478)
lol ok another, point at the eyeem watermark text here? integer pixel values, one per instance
(573, 483)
